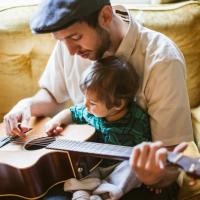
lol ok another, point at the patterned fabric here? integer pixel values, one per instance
(130, 130)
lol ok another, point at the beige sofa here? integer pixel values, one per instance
(23, 56)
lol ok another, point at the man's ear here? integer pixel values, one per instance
(105, 16)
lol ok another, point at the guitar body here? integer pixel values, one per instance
(30, 174)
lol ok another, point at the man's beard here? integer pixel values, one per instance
(105, 43)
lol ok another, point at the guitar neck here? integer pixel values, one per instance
(190, 165)
(96, 149)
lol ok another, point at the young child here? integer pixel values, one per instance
(109, 87)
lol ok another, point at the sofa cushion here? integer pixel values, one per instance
(189, 192)
(164, 1)
(23, 55)
(180, 22)
(196, 124)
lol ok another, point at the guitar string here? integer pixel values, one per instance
(43, 142)
(40, 141)
(73, 143)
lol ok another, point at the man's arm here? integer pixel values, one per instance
(44, 104)
(41, 104)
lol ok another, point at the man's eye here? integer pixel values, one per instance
(76, 37)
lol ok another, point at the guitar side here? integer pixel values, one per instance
(31, 174)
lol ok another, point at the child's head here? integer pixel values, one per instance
(110, 81)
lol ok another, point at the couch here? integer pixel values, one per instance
(23, 57)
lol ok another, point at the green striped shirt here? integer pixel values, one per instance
(132, 129)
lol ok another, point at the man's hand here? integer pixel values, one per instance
(20, 113)
(148, 160)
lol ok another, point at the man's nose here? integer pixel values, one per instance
(72, 47)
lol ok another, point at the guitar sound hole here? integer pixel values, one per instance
(39, 143)
(32, 147)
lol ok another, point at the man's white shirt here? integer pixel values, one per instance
(161, 69)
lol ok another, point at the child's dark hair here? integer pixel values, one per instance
(113, 79)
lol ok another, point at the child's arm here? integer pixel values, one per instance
(53, 126)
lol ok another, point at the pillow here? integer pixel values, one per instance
(189, 192)
(164, 1)
(23, 55)
(16, 79)
(196, 124)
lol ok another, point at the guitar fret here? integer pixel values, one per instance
(99, 149)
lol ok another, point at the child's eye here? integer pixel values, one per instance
(92, 104)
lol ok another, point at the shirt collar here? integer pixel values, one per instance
(128, 43)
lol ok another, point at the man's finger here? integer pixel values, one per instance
(144, 155)
(15, 132)
(134, 157)
(14, 126)
(161, 156)
(181, 147)
(152, 158)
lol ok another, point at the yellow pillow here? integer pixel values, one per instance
(23, 55)
(164, 1)
(189, 192)
(196, 124)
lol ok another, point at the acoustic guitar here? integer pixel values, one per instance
(42, 162)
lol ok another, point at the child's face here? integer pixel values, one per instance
(94, 106)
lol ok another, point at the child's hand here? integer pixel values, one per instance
(53, 128)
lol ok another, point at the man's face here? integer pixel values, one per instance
(84, 40)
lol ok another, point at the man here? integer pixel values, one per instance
(91, 29)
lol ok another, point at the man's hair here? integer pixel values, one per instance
(113, 79)
(92, 19)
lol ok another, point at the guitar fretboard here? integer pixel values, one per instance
(96, 149)
(190, 165)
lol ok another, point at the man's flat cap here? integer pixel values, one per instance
(55, 15)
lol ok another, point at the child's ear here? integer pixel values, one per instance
(121, 105)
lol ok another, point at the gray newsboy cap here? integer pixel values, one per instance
(55, 15)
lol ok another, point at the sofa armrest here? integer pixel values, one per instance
(196, 124)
